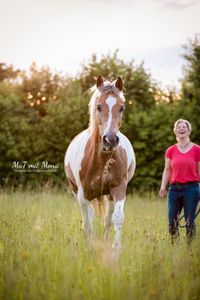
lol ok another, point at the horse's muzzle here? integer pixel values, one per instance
(110, 141)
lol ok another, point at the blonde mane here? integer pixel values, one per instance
(107, 87)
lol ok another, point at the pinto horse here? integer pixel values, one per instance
(100, 161)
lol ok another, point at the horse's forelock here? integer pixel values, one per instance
(105, 88)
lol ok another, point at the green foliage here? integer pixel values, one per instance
(41, 112)
(27, 136)
(40, 86)
(139, 88)
(18, 131)
(151, 132)
(191, 81)
(7, 72)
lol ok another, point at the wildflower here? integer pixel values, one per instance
(90, 269)
(25, 254)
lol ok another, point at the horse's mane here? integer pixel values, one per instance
(107, 87)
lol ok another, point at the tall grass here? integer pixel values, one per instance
(43, 254)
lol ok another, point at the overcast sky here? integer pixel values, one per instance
(63, 34)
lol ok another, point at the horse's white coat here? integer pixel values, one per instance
(110, 206)
(126, 145)
(110, 101)
(87, 212)
(118, 219)
(75, 154)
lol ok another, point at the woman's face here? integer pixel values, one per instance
(182, 130)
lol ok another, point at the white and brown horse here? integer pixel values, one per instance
(100, 161)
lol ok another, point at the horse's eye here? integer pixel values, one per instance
(99, 108)
(122, 108)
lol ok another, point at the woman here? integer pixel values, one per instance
(182, 170)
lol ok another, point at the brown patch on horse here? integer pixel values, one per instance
(131, 170)
(71, 179)
(92, 170)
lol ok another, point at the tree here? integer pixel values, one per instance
(40, 86)
(191, 83)
(191, 80)
(139, 87)
(7, 72)
(41, 113)
(17, 132)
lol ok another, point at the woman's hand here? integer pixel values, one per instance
(165, 178)
(162, 192)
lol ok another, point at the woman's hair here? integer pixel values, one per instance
(189, 126)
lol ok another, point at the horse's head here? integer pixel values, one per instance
(106, 109)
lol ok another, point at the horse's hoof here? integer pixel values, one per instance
(116, 246)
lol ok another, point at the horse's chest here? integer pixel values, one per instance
(96, 182)
(96, 187)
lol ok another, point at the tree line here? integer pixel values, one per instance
(41, 111)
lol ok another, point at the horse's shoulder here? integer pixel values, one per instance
(80, 136)
(126, 144)
(76, 148)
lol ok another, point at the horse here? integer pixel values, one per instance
(100, 161)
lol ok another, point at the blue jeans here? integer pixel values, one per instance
(183, 196)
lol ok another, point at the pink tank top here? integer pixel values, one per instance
(184, 166)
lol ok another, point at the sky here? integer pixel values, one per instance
(64, 34)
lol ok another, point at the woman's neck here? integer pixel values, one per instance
(183, 143)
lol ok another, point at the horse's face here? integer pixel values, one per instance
(109, 111)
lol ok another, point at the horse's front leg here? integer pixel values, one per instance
(87, 212)
(119, 196)
(108, 216)
(118, 219)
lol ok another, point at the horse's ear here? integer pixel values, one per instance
(99, 81)
(119, 83)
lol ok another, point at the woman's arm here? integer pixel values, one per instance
(165, 178)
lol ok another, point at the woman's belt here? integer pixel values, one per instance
(184, 183)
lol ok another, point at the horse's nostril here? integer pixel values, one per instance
(105, 140)
(117, 140)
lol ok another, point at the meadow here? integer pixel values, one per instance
(43, 253)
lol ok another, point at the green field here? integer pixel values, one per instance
(43, 254)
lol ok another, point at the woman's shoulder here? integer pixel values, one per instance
(196, 151)
(196, 147)
(170, 150)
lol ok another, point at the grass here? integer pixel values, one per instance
(43, 254)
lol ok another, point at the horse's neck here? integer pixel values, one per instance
(95, 139)
(97, 159)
